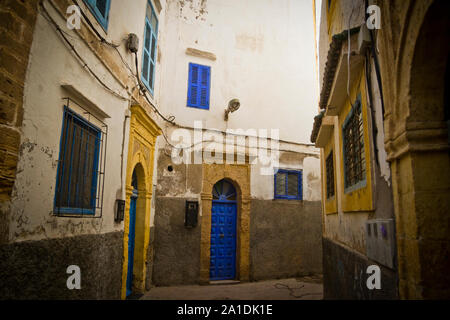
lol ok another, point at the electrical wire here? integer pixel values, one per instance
(141, 87)
(170, 120)
(48, 17)
(102, 39)
(143, 91)
(291, 290)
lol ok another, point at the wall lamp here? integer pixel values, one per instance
(233, 106)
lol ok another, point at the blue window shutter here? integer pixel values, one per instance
(78, 165)
(199, 86)
(100, 9)
(204, 87)
(193, 86)
(149, 48)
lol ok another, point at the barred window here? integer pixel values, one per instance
(78, 174)
(353, 135)
(330, 175)
(288, 184)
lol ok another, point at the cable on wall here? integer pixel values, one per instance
(102, 39)
(142, 89)
(83, 62)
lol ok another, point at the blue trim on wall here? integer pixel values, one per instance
(103, 21)
(299, 195)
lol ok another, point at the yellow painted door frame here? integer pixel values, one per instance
(141, 149)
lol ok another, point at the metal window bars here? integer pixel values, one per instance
(81, 165)
(354, 159)
(330, 175)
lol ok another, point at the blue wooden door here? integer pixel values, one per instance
(131, 236)
(223, 232)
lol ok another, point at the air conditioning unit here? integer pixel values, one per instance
(380, 241)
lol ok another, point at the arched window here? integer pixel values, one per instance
(224, 191)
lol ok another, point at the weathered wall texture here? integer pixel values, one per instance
(285, 238)
(176, 258)
(37, 269)
(348, 210)
(251, 55)
(293, 157)
(344, 273)
(417, 140)
(31, 49)
(17, 21)
(285, 235)
(414, 186)
(177, 249)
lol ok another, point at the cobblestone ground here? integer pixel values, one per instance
(305, 288)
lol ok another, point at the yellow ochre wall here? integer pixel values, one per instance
(360, 199)
(330, 204)
(346, 213)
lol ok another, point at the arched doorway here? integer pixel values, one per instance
(135, 232)
(132, 233)
(223, 231)
(239, 177)
(140, 161)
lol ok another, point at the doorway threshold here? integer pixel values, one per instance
(135, 296)
(224, 282)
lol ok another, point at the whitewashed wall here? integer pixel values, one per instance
(51, 65)
(265, 58)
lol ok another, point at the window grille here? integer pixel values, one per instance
(330, 175)
(81, 165)
(199, 86)
(149, 48)
(288, 184)
(353, 136)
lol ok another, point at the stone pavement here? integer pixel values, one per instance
(305, 288)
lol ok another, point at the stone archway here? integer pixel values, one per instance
(239, 176)
(142, 224)
(143, 133)
(417, 146)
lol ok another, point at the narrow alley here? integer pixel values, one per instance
(224, 150)
(305, 288)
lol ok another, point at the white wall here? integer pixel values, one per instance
(265, 58)
(51, 65)
(294, 157)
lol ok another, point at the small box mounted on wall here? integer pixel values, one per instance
(380, 241)
(191, 214)
(120, 210)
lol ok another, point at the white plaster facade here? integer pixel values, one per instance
(260, 52)
(264, 57)
(52, 65)
(259, 45)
